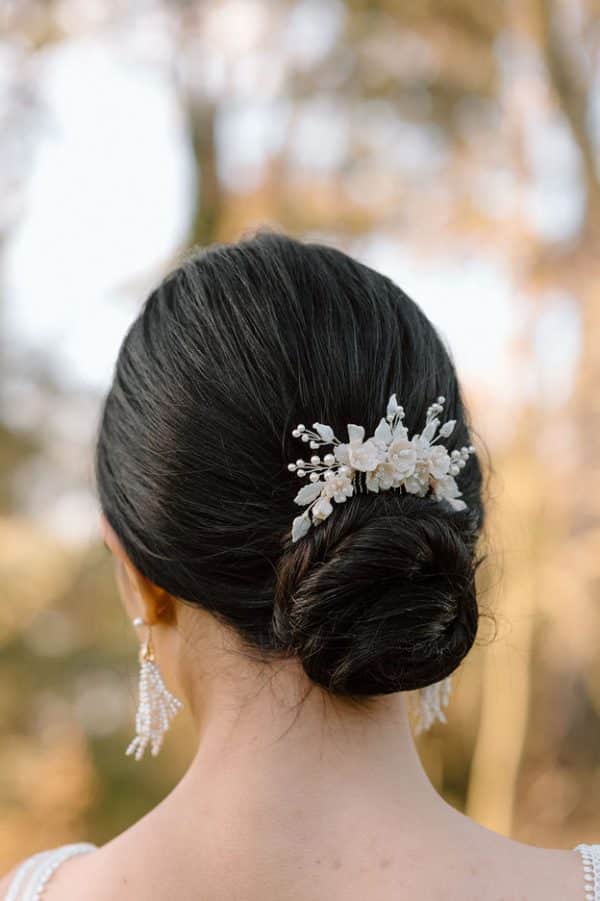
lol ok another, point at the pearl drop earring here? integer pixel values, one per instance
(156, 705)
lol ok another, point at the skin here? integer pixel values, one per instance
(322, 803)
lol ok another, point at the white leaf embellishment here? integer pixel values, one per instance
(383, 432)
(325, 431)
(430, 429)
(392, 406)
(308, 493)
(300, 526)
(400, 432)
(447, 428)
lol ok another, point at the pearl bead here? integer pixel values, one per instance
(156, 707)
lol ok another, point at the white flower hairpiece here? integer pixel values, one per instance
(389, 459)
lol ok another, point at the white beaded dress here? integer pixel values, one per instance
(33, 874)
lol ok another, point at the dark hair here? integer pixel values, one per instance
(234, 348)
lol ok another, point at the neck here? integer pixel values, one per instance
(275, 751)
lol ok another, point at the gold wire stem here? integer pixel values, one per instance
(147, 649)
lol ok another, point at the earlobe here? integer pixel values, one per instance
(165, 606)
(157, 605)
(142, 597)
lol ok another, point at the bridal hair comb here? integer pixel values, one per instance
(388, 459)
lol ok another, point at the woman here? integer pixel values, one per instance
(290, 492)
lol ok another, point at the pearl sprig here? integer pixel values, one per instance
(315, 466)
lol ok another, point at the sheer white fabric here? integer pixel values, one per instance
(33, 874)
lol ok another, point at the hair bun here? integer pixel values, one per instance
(381, 598)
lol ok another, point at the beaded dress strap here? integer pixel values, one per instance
(590, 855)
(33, 874)
(22, 873)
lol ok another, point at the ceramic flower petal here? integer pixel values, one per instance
(356, 433)
(342, 453)
(322, 508)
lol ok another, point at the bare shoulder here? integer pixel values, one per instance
(488, 865)
(539, 874)
(565, 874)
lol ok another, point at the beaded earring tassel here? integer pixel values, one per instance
(430, 702)
(156, 705)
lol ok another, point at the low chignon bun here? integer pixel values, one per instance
(381, 597)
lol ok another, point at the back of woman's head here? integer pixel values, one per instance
(236, 346)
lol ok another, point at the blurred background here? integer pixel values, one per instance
(452, 144)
